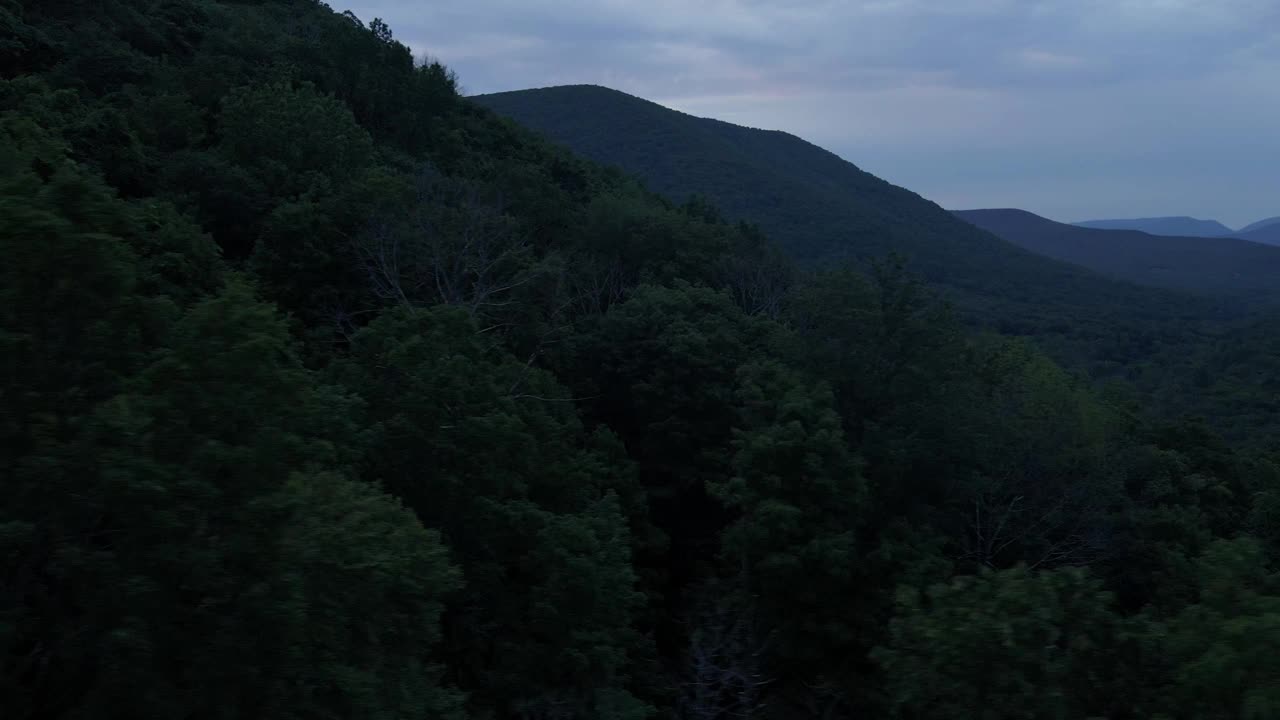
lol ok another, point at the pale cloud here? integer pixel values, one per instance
(1126, 106)
(481, 47)
(1034, 59)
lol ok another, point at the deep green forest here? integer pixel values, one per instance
(1154, 316)
(329, 393)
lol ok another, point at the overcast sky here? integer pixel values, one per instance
(1073, 109)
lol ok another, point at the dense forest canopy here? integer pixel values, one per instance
(329, 393)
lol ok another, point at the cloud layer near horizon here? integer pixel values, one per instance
(1070, 108)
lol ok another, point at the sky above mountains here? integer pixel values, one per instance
(1072, 109)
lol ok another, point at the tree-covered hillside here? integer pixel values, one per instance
(328, 393)
(823, 210)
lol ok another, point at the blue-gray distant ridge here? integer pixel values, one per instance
(1265, 231)
(1179, 226)
(1259, 225)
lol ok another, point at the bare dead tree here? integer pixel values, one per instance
(474, 254)
(597, 283)
(458, 246)
(756, 272)
(1029, 515)
(759, 284)
(381, 255)
(723, 675)
(344, 321)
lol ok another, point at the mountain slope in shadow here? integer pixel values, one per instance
(1217, 265)
(1266, 232)
(823, 210)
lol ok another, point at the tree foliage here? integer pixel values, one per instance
(328, 393)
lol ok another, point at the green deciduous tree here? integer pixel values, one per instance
(1003, 644)
(489, 451)
(522, 439)
(793, 548)
(209, 565)
(296, 139)
(1221, 648)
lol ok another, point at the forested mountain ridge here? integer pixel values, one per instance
(1232, 376)
(1220, 266)
(1264, 231)
(822, 209)
(741, 169)
(328, 393)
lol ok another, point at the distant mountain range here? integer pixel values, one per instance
(814, 204)
(1260, 225)
(1215, 265)
(1184, 226)
(824, 210)
(1264, 231)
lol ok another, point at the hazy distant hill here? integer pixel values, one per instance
(822, 209)
(1259, 225)
(1182, 225)
(1220, 265)
(1266, 231)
